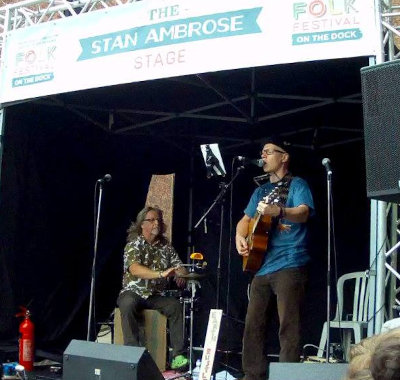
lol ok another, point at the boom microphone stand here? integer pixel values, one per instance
(219, 199)
(326, 162)
(100, 182)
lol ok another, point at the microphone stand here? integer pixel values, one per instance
(224, 187)
(328, 273)
(93, 276)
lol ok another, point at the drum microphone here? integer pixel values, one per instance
(327, 163)
(246, 161)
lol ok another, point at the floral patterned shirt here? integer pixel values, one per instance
(158, 256)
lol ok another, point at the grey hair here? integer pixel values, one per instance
(135, 229)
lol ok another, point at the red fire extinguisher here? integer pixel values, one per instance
(26, 339)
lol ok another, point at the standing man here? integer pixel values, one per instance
(283, 272)
(149, 260)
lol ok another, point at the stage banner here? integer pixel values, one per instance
(163, 38)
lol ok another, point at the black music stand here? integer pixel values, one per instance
(213, 160)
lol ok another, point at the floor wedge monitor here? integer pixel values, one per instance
(88, 360)
(380, 88)
(307, 371)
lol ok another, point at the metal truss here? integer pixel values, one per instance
(390, 19)
(392, 277)
(31, 12)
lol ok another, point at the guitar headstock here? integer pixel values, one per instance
(272, 197)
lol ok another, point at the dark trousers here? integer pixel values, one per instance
(131, 306)
(288, 286)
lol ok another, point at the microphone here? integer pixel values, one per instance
(106, 178)
(246, 161)
(327, 163)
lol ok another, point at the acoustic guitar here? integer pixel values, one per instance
(257, 236)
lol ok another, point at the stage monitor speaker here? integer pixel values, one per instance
(307, 371)
(101, 361)
(380, 89)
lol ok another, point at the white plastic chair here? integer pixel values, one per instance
(359, 317)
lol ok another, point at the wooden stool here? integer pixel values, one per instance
(155, 329)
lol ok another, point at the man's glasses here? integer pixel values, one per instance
(152, 220)
(270, 152)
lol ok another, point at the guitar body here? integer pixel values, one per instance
(257, 239)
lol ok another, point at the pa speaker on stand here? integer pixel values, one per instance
(380, 86)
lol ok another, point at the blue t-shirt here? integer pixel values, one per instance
(286, 248)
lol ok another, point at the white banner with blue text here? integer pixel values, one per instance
(163, 38)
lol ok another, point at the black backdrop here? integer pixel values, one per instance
(47, 200)
(51, 161)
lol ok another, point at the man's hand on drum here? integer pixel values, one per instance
(179, 271)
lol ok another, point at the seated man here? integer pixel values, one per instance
(149, 260)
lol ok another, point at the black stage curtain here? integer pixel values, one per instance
(51, 163)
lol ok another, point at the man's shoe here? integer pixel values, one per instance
(179, 362)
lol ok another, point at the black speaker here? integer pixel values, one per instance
(380, 86)
(100, 361)
(307, 371)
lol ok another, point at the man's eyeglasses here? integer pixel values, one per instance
(270, 152)
(152, 220)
